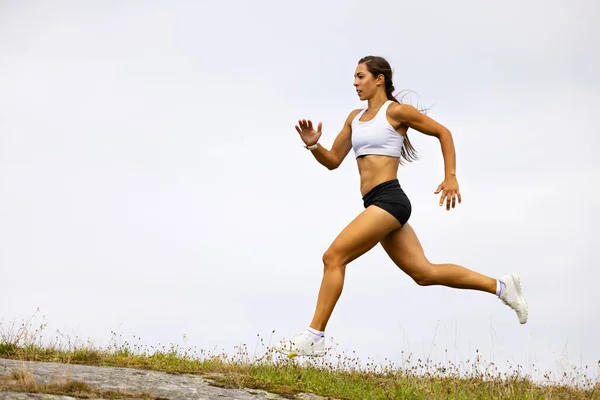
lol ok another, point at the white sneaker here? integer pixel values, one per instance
(513, 296)
(301, 345)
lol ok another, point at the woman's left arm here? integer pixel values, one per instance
(413, 118)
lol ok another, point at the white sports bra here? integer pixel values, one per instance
(376, 136)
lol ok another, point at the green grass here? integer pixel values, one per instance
(336, 375)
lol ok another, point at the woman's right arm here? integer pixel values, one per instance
(331, 159)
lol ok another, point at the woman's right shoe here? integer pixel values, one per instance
(513, 296)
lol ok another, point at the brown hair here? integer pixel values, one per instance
(379, 66)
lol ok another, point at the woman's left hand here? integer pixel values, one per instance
(450, 192)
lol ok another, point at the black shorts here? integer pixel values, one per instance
(390, 196)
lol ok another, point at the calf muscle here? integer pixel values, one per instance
(405, 250)
(362, 234)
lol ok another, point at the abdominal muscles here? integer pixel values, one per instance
(376, 169)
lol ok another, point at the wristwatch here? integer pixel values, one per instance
(312, 146)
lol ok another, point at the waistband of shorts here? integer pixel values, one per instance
(394, 183)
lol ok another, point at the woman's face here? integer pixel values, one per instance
(364, 82)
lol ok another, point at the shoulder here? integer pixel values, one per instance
(347, 128)
(353, 115)
(402, 112)
(397, 109)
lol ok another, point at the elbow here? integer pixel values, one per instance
(444, 133)
(333, 164)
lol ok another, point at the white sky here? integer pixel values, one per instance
(152, 182)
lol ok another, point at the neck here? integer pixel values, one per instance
(377, 101)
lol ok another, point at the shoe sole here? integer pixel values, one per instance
(292, 354)
(316, 354)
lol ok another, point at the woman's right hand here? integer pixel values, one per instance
(307, 133)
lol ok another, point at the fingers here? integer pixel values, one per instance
(305, 124)
(302, 125)
(450, 197)
(452, 200)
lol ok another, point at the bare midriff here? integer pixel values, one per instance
(376, 169)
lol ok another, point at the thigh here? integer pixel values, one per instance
(404, 248)
(362, 234)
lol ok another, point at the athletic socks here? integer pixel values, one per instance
(500, 288)
(314, 334)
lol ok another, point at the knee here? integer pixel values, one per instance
(425, 275)
(333, 259)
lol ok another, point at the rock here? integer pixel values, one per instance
(32, 396)
(137, 381)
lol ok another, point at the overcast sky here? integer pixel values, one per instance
(152, 182)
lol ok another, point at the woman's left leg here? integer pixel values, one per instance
(361, 235)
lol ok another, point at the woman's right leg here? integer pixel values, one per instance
(404, 248)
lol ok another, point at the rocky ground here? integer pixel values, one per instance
(159, 384)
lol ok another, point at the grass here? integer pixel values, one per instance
(336, 375)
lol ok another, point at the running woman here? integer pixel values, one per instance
(378, 136)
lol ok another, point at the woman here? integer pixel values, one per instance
(378, 136)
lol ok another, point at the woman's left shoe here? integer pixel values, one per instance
(302, 345)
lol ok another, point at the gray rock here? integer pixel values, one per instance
(32, 396)
(138, 381)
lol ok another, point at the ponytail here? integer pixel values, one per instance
(408, 152)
